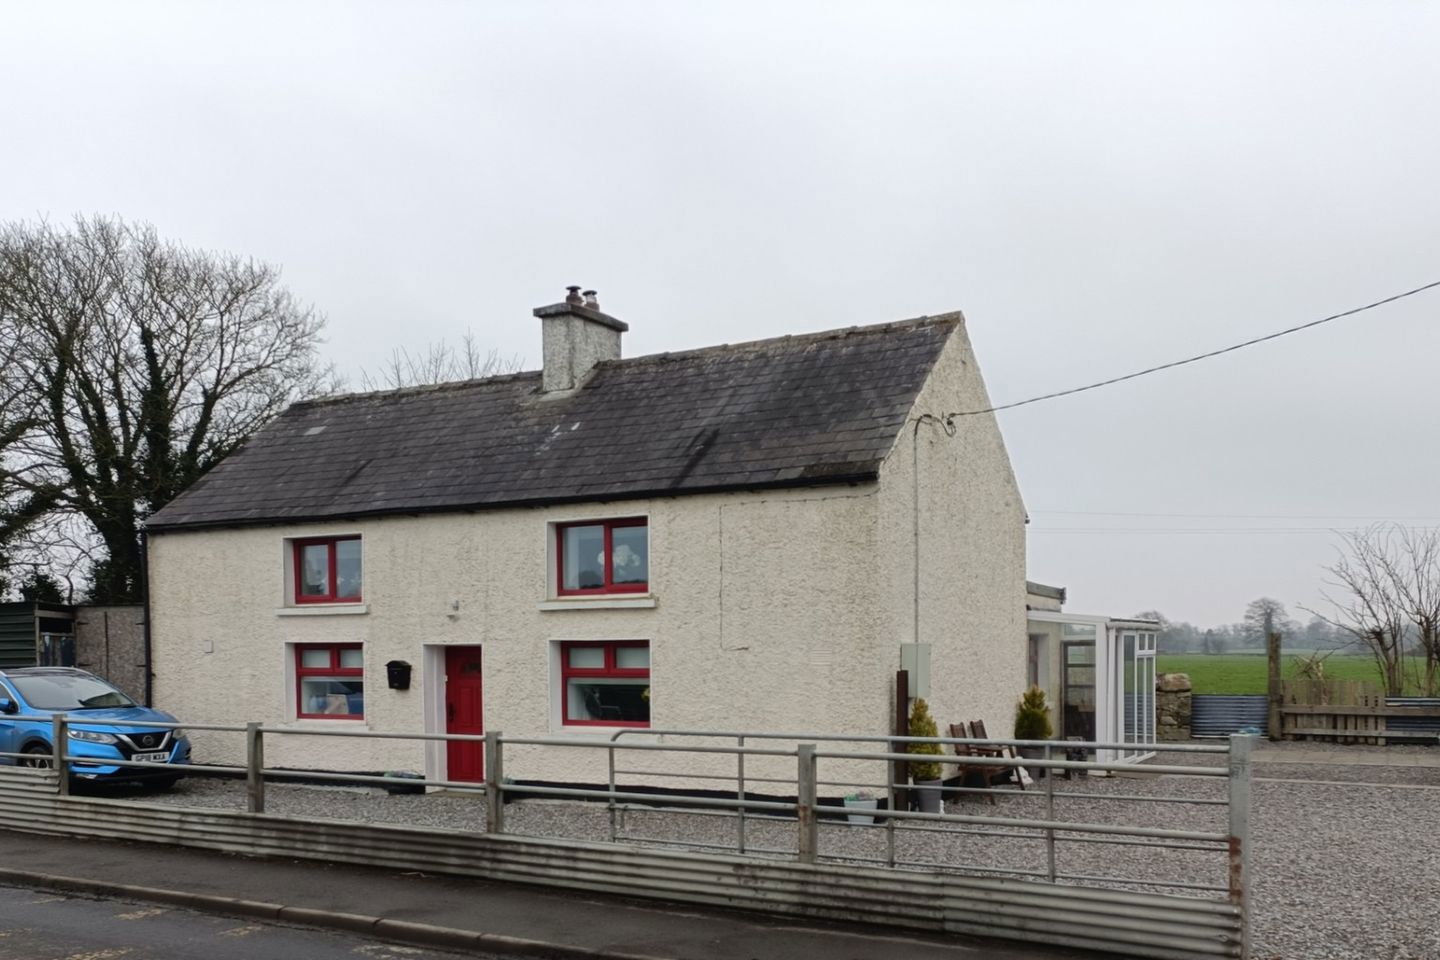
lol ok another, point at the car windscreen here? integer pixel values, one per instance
(68, 692)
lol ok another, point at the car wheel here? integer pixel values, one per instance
(39, 756)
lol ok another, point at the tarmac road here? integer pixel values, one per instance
(41, 926)
(35, 925)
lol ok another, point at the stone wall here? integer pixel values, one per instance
(1172, 706)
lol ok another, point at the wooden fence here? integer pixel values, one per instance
(1345, 710)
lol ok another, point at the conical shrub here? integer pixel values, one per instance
(1032, 716)
(923, 725)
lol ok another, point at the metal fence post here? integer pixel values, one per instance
(805, 812)
(1049, 815)
(494, 784)
(610, 804)
(254, 768)
(1240, 745)
(890, 808)
(892, 801)
(740, 794)
(59, 735)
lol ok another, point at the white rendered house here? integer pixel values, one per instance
(734, 538)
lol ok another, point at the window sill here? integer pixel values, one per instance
(604, 734)
(323, 610)
(646, 602)
(315, 723)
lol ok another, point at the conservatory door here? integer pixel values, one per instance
(1078, 720)
(1136, 683)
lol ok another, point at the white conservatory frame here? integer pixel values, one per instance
(1117, 643)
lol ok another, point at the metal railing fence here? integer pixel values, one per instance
(805, 786)
(1046, 828)
(762, 805)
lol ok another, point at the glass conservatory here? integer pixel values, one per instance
(1099, 675)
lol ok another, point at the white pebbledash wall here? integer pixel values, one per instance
(779, 610)
(972, 548)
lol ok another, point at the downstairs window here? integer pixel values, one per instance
(605, 683)
(330, 681)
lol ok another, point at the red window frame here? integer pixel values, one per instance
(610, 586)
(609, 671)
(331, 596)
(333, 670)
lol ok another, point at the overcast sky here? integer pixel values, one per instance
(1098, 187)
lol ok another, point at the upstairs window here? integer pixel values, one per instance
(611, 556)
(328, 570)
(606, 683)
(330, 681)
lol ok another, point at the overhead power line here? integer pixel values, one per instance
(1237, 516)
(1202, 356)
(1203, 531)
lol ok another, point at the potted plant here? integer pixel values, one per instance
(1032, 722)
(861, 800)
(925, 773)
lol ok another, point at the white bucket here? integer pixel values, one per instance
(861, 805)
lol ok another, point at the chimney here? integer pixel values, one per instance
(576, 336)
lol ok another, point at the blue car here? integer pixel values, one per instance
(101, 722)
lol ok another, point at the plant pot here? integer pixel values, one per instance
(861, 805)
(927, 795)
(1036, 753)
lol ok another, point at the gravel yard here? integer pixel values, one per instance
(1345, 859)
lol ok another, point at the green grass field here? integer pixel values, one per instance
(1246, 672)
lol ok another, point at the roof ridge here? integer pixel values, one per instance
(953, 318)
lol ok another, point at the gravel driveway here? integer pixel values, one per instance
(1345, 859)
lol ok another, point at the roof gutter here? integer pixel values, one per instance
(833, 480)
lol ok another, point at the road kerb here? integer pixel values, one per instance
(352, 922)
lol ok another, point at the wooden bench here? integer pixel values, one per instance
(988, 772)
(977, 731)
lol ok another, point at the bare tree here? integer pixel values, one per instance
(59, 545)
(1368, 598)
(20, 505)
(1417, 580)
(438, 363)
(144, 364)
(1264, 616)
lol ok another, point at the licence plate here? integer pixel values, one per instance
(160, 757)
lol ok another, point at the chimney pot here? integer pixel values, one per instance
(573, 296)
(591, 301)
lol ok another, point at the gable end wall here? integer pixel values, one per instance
(972, 549)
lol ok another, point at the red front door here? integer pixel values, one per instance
(463, 688)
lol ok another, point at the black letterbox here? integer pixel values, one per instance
(398, 672)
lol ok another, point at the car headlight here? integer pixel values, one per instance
(92, 736)
(178, 733)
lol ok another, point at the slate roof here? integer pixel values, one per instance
(794, 411)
